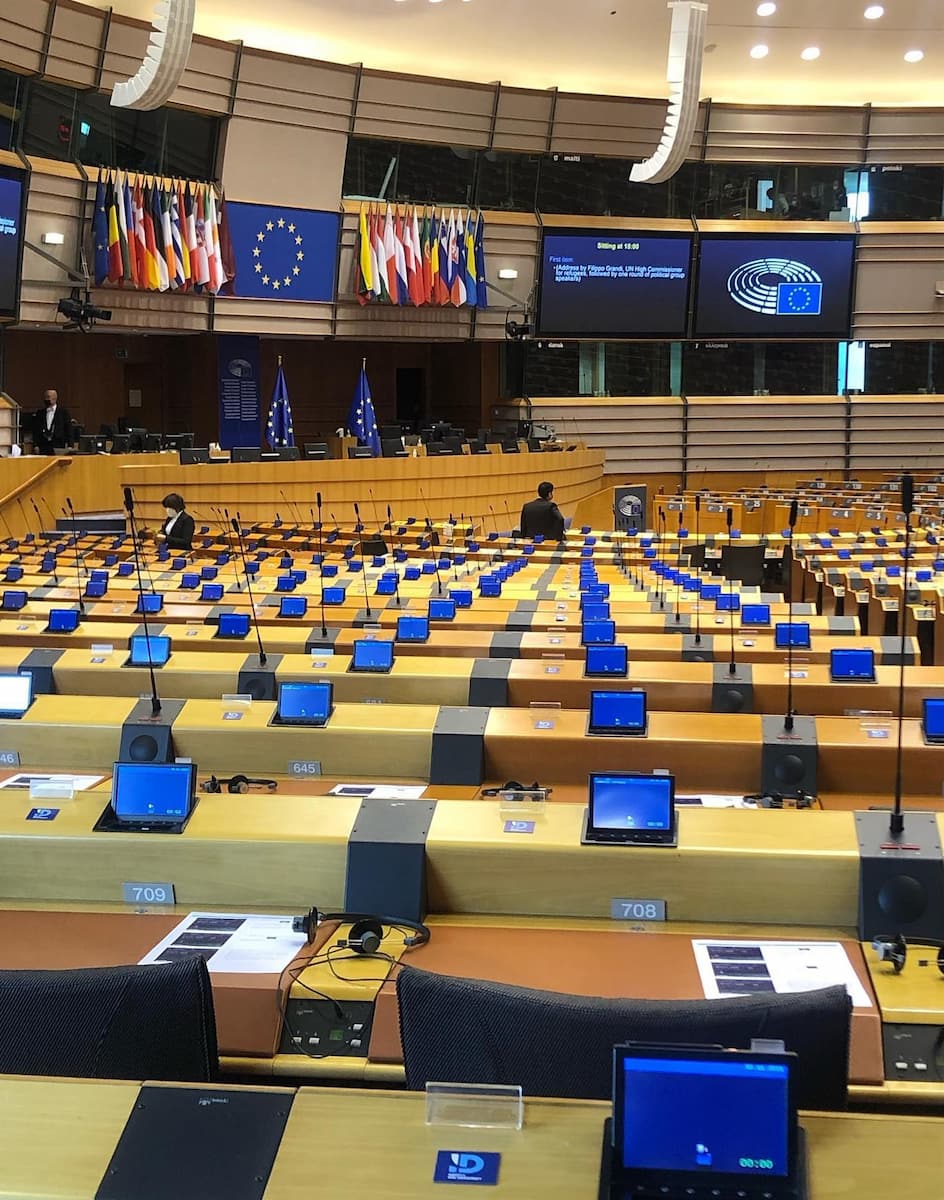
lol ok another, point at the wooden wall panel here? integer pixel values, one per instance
(905, 135)
(638, 435)
(743, 133)
(77, 33)
(294, 92)
(22, 26)
(898, 267)
(424, 110)
(208, 80)
(894, 433)
(523, 120)
(746, 434)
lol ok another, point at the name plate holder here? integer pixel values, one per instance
(523, 805)
(52, 789)
(475, 1105)
(240, 701)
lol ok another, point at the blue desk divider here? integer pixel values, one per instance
(126, 568)
(354, 565)
(400, 555)
(252, 568)
(411, 573)
(329, 570)
(189, 579)
(207, 573)
(379, 560)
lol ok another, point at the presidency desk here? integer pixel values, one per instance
(59, 1137)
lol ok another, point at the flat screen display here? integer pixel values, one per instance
(159, 646)
(333, 595)
(210, 593)
(442, 610)
(305, 703)
(617, 712)
(775, 287)
(462, 597)
(413, 629)
(755, 614)
(153, 792)
(598, 633)
(596, 610)
(372, 656)
(16, 695)
(619, 283)
(709, 1114)
(12, 208)
(728, 602)
(13, 599)
(150, 602)
(606, 660)
(293, 606)
(632, 801)
(63, 620)
(797, 634)
(852, 664)
(932, 718)
(233, 625)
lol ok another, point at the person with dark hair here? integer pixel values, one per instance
(178, 527)
(543, 515)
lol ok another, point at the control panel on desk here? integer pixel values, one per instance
(317, 1028)
(914, 1052)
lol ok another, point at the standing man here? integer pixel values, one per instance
(543, 515)
(51, 425)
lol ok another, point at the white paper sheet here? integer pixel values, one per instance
(383, 791)
(80, 783)
(731, 967)
(713, 800)
(233, 943)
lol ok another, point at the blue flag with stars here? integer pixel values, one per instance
(279, 431)
(283, 253)
(362, 420)
(100, 232)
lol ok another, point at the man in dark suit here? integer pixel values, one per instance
(51, 425)
(178, 526)
(543, 515)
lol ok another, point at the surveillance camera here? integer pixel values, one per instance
(517, 331)
(81, 315)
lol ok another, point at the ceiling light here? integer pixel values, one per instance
(767, 9)
(810, 53)
(873, 12)
(760, 51)
(913, 56)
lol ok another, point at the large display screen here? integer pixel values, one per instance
(597, 283)
(12, 195)
(778, 287)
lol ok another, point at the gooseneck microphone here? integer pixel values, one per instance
(52, 515)
(319, 527)
(237, 522)
(678, 571)
(700, 571)
(30, 536)
(228, 541)
(732, 665)
(434, 555)
(78, 576)
(396, 573)
(39, 520)
(660, 579)
(136, 551)
(75, 532)
(897, 822)
(358, 527)
(791, 521)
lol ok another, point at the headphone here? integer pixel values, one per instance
(366, 929)
(893, 948)
(800, 799)
(238, 785)
(514, 786)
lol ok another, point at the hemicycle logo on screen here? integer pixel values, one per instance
(777, 287)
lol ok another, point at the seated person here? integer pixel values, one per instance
(543, 516)
(178, 526)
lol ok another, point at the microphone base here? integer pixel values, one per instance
(146, 737)
(901, 878)
(318, 641)
(257, 679)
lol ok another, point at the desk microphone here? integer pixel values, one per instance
(129, 508)
(30, 536)
(897, 823)
(13, 543)
(732, 665)
(791, 521)
(75, 532)
(358, 528)
(78, 577)
(500, 555)
(678, 571)
(434, 555)
(660, 579)
(43, 500)
(396, 573)
(292, 508)
(701, 571)
(511, 526)
(43, 534)
(319, 527)
(228, 538)
(237, 522)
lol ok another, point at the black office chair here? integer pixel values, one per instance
(359, 452)
(473, 1031)
(392, 448)
(244, 454)
(150, 1022)
(317, 450)
(195, 454)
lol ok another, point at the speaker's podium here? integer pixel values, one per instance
(630, 506)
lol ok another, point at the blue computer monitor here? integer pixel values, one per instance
(386, 585)
(63, 620)
(717, 1121)
(293, 606)
(462, 597)
(16, 695)
(596, 611)
(233, 625)
(632, 807)
(755, 614)
(728, 602)
(305, 703)
(13, 573)
(153, 794)
(796, 635)
(442, 610)
(333, 595)
(211, 593)
(96, 588)
(138, 645)
(189, 580)
(14, 600)
(208, 573)
(851, 665)
(490, 588)
(372, 656)
(598, 633)
(710, 591)
(150, 602)
(932, 720)
(617, 713)
(606, 661)
(413, 629)
(286, 583)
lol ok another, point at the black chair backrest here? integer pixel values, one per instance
(241, 454)
(359, 452)
(457, 1030)
(392, 448)
(317, 450)
(193, 455)
(151, 1022)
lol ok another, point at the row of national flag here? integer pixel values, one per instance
(160, 235)
(420, 257)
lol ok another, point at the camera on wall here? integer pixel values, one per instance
(81, 314)
(518, 331)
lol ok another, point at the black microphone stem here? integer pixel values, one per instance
(237, 529)
(324, 627)
(701, 571)
(78, 577)
(678, 571)
(732, 666)
(129, 506)
(897, 823)
(788, 719)
(359, 528)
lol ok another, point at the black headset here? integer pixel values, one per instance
(514, 786)
(366, 929)
(798, 799)
(238, 785)
(893, 948)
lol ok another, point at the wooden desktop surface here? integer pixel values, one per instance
(58, 1136)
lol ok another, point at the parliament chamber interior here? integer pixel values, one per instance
(471, 600)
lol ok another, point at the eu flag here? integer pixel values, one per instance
(362, 420)
(799, 299)
(279, 431)
(100, 232)
(283, 253)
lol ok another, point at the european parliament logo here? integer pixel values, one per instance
(780, 287)
(463, 1166)
(283, 253)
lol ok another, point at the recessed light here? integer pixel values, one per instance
(760, 51)
(914, 56)
(810, 53)
(873, 12)
(766, 9)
